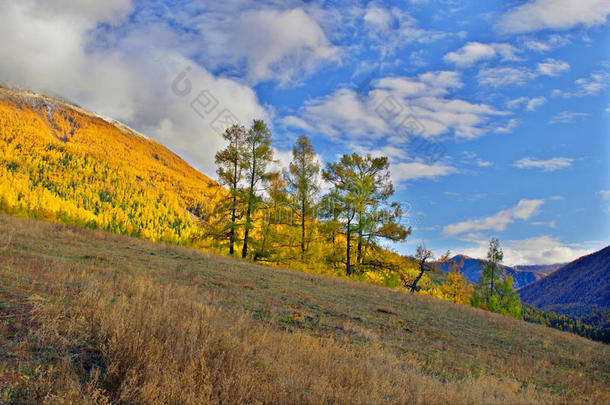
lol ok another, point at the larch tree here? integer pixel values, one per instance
(231, 165)
(362, 189)
(303, 184)
(495, 291)
(345, 194)
(258, 156)
(493, 271)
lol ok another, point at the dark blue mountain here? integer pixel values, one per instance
(579, 288)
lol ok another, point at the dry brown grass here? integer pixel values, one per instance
(105, 319)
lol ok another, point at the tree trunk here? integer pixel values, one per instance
(232, 230)
(359, 255)
(491, 288)
(303, 229)
(244, 251)
(348, 269)
(421, 273)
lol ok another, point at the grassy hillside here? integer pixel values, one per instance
(579, 288)
(90, 316)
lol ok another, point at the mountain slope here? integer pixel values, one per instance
(59, 162)
(473, 268)
(579, 288)
(144, 322)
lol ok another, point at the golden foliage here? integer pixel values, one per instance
(61, 164)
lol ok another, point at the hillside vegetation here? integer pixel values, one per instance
(61, 163)
(90, 316)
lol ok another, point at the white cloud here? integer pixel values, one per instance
(552, 67)
(604, 194)
(267, 44)
(508, 127)
(473, 52)
(549, 165)
(524, 210)
(537, 15)
(552, 42)
(544, 249)
(378, 18)
(550, 224)
(396, 104)
(472, 157)
(590, 86)
(470, 53)
(404, 171)
(512, 104)
(505, 76)
(390, 29)
(565, 117)
(534, 103)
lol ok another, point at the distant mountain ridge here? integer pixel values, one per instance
(545, 269)
(580, 288)
(522, 275)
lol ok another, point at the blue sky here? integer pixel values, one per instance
(516, 92)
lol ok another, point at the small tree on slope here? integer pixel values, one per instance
(495, 291)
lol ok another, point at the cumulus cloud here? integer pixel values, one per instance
(470, 54)
(537, 15)
(266, 44)
(552, 67)
(403, 171)
(416, 104)
(524, 210)
(544, 249)
(549, 165)
(535, 102)
(473, 52)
